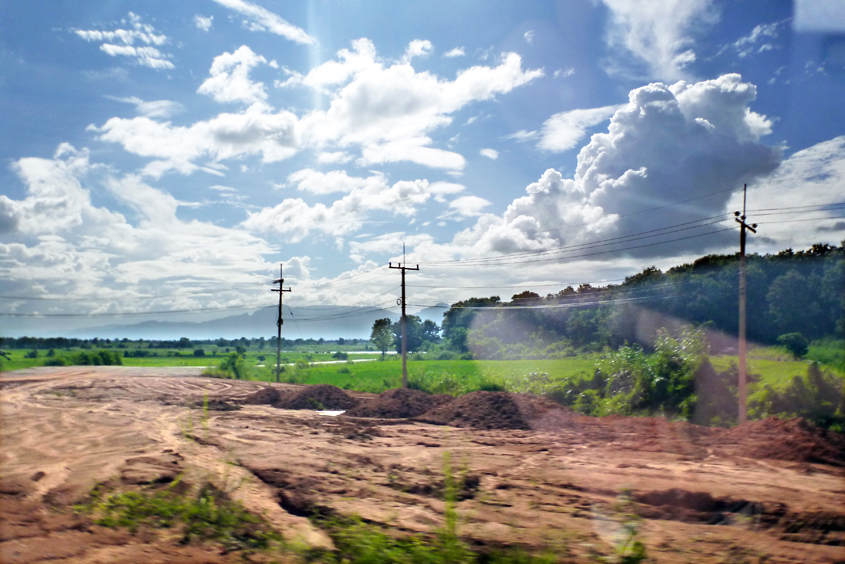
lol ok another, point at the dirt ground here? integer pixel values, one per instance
(534, 475)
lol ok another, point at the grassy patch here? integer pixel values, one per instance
(201, 514)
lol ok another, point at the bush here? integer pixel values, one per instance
(819, 397)
(795, 343)
(199, 352)
(56, 361)
(32, 354)
(340, 355)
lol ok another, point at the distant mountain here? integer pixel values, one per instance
(434, 313)
(329, 322)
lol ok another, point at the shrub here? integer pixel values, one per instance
(199, 352)
(32, 354)
(340, 355)
(819, 397)
(795, 343)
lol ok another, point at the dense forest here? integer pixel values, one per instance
(788, 292)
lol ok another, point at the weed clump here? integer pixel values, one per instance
(207, 514)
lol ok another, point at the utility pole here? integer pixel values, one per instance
(743, 415)
(279, 321)
(404, 317)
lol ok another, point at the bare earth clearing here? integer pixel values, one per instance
(768, 492)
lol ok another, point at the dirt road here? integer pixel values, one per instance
(769, 492)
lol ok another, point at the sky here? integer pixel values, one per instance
(161, 160)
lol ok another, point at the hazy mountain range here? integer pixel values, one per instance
(310, 322)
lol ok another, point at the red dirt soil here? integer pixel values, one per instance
(535, 475)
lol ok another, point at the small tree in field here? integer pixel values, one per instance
(795, 343)
(382, 335)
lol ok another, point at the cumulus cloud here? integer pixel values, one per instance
(272, 135)
(659, 33)
(261, 19)
(229, 80)
(309, 180)
(297, 219)
(389, 109)
(417, 48)
(563, 131)
(78, 250)
(122, 42)
(456, 52)
(489, 153)
(669, 143)
(469, 206)
(442, 189)
(385, 110)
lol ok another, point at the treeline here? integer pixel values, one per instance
(788, 292)
(45, 343)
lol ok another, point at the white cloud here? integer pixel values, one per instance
(156, 109)
(389, 110)
(522, 135)
(442, 189)
(666, 144)
(78, 250)
(529, 36)
(456, 52)
(203, 23)
(751, 43)
(385, 110)
(565, 73)
(297, 219)
(489, 153)
(261, 19)
(469, 206)
(334, 157)
(229, 81)
(272, 135)
(222, 188)
(417, 48)
(659, 33)
(316, 182)
(145, 55)
(811, 177)
(562, 131)
(388, 244)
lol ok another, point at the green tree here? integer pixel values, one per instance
(382, 336)
(795, 343)
(791, 303)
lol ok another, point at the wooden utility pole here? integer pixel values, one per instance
(743, 415)
(279, 322)
(404, 318)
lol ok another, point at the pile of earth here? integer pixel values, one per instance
(399, 403)
(499, 410)
(264, 396)
(321, 396)
(795, 440)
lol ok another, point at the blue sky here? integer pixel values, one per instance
(168, 156)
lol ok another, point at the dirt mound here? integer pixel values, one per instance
(498, 410)
(323, 396)
(264, 396)
(796, 440)
(399, 404)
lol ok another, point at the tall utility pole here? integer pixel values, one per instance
(743, 415)
(404, 318)
(279, 321)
